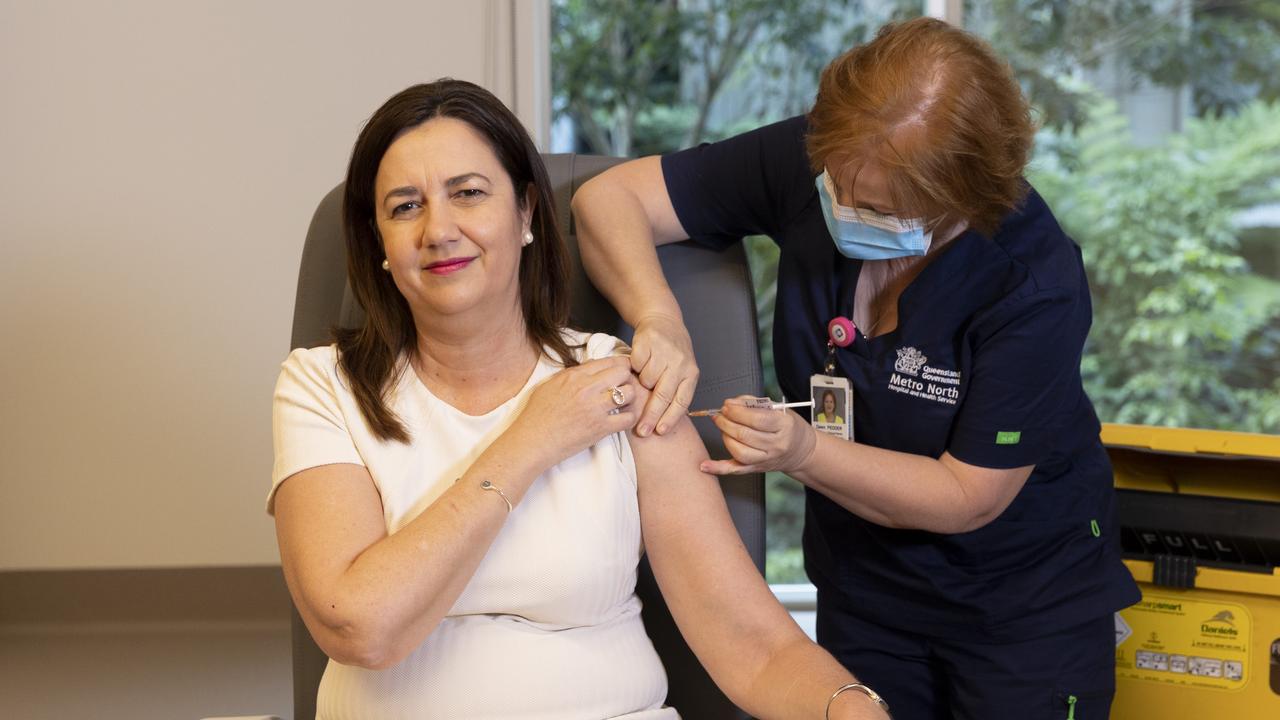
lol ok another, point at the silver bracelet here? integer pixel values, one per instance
(875, 697)
(486, 485)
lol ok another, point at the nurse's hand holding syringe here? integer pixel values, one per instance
(760, 435)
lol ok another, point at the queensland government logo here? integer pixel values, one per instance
(909, 361)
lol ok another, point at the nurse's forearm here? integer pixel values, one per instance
(896, 489)
(617, 238)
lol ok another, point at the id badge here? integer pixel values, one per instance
(832, 405)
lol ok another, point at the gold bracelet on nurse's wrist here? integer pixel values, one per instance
(875, 697)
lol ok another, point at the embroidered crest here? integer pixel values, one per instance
(909, 361)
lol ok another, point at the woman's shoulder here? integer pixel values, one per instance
(317, 366)
(322, 359)
(593, 346)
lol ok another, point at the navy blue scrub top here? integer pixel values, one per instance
(984, 364)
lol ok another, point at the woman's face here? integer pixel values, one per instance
(828, 404)
(450, 226)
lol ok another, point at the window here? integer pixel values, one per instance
(1159, 152)
(1160, 155)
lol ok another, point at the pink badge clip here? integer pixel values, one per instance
(840, 331)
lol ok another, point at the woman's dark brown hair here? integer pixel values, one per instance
(370, 355)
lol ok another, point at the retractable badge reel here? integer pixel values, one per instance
(832, 395)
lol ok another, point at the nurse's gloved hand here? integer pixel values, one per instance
(760, 439)
(662, 355)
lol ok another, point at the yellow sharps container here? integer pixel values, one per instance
(1200, 525)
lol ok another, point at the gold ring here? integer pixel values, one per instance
(619, 398)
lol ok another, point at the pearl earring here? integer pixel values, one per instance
(528, 238)
(386, 264)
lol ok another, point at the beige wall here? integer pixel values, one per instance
(159, 161)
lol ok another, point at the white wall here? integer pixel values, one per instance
(159, 162)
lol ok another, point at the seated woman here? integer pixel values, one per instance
(459, 502)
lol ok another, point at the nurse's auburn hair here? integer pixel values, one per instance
(939, 111)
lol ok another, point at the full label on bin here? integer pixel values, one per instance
(1186, 642)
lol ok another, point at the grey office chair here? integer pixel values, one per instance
(714, 291)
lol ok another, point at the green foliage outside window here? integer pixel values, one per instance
(640, 78)
(1184, 333)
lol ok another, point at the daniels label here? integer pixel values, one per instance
(1184, 642)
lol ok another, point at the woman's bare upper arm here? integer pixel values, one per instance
(716, 594)
(326, 517)
(672, 489)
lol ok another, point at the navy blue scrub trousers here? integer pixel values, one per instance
(924, 678)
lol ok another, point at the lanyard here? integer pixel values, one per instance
(840, 333)
(836, 418)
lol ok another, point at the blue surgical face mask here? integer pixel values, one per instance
(868, 235)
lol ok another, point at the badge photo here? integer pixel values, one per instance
(832, 405)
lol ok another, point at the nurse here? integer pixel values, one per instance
(961, 527)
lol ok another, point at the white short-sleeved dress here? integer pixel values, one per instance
(549, 626)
